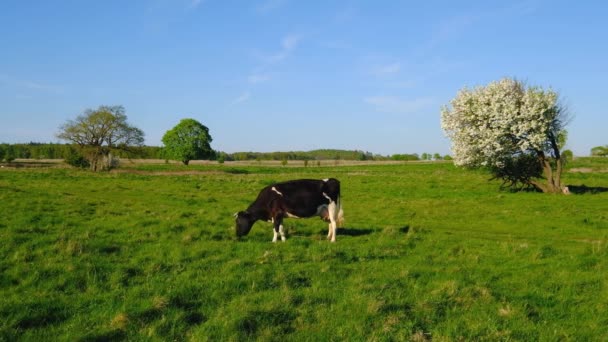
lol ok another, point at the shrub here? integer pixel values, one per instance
(76, 159)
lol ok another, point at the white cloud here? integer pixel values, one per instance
(397, 105)
(288, 44)
(244, 97)
(387, 69)
(258, 78)
(263, 72)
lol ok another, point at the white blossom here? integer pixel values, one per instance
(488, 124)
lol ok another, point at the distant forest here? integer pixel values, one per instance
(33, 150)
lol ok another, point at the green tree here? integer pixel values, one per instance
(600, 151)
(10, 153)
(188, 140)
(567, 156)
(99, 133)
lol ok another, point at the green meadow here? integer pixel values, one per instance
(428, 252)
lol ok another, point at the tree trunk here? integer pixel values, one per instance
(552, 182)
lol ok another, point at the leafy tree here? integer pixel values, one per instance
(188, 140)
(514, 130)
(100, 132)
(600, 151)
(9, 153)
(567, 156)
(413, 156)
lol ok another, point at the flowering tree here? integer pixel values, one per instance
(514, 130)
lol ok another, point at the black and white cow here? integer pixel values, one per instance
(297, 199)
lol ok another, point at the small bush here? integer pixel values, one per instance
(76, 159)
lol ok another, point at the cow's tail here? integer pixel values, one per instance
(340, 219)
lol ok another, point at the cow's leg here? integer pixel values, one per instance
(282, 232)
(274, 230)
(278, 228)
(332, 209)
(274, 239)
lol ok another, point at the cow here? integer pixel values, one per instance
(300, 198)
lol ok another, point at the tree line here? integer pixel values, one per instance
(37, 150)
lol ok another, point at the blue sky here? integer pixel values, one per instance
(280, 75)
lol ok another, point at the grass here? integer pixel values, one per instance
(429, 251)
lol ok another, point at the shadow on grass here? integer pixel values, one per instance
(583, 189)
(355, 231)
(112, 335)
(281, 321)
(237, 171)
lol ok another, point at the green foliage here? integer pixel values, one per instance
(405, 157)
(100, 132)
(188, 140)
(76, 159)
(3, 148)
(437, 254)
(567, 156)
(326, 154)
(600, 151)
(61, 151)
(36, 150)
(9, 154)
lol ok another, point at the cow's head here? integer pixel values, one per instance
(244, 222)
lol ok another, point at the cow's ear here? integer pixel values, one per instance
(241, 213)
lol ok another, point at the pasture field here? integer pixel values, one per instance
(428, 252)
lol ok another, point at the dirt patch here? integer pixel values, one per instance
(167, 173)
(581, 170)
(586, 170)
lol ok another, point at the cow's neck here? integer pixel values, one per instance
(257, 214)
